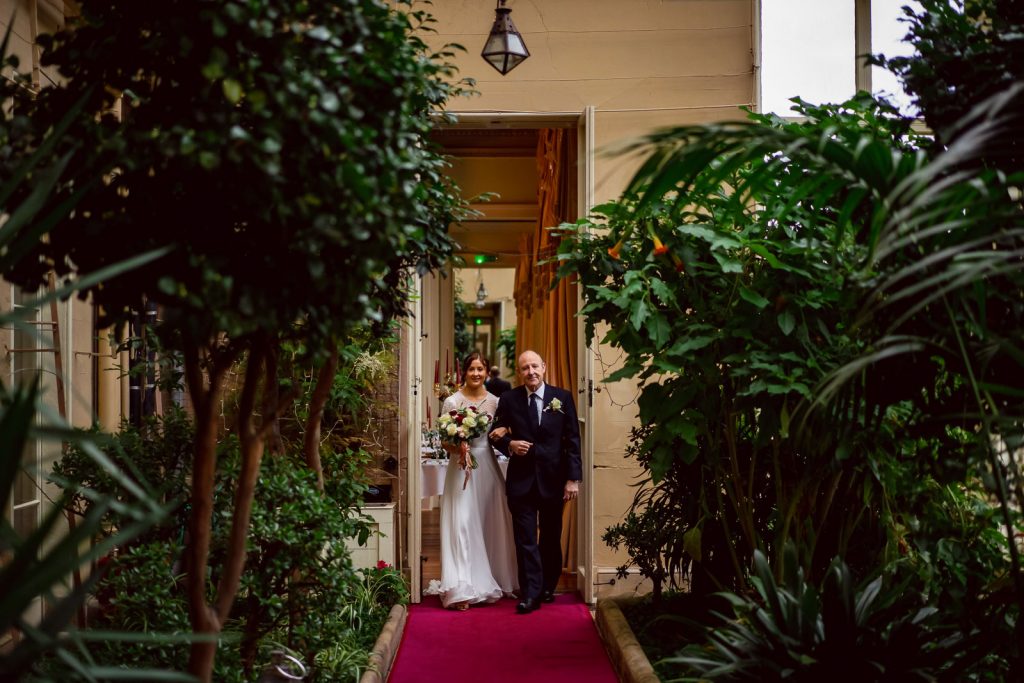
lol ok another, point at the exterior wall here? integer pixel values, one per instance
(74, 332)
(643, 65)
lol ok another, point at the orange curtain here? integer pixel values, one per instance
(545, 319)
(545, 316)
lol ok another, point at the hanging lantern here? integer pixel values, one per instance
(481, 295)
(504, 49)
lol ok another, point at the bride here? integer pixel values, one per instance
(478, 561)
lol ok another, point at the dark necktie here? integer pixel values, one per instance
(534, 405)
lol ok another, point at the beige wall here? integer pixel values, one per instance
(643, 65)
(26, 19)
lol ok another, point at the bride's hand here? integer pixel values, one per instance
(464, 455)
(498, 433)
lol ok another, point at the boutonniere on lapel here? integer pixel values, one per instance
(555, 406)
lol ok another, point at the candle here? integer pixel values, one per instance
(437, 374)
(446, 367)
(429, 420)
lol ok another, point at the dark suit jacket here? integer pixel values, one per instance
(555, 456)
(497, 386)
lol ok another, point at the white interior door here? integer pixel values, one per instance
(585, 509)
(412, 348)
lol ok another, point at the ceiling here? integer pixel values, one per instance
(501, 164)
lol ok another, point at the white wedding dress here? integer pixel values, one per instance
(478, 557)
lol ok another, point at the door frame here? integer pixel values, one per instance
(420, 347)
(585, 573)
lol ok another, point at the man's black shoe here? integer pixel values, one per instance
(528, 605)
(547, 596)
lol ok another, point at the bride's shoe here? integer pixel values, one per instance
(460, 606)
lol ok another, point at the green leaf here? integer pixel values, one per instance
(786, 321)
(691, 543)
(232, 90)
(728, 263)
(752, 297)
(685, 430)
(692, 344)
(659, 330)
(717, 240)
(638, 313)
(663, 292)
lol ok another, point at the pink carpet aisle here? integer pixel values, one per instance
(492, 644)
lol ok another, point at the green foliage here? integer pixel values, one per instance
(299, 579)
(272, 155)
(732, 308)
(658, 532)
(299, 589)
(966, 51)
(507, 347)
(213, 160)
(38, 567)
(822, 318)
(365, 357)
(159, 449)
(798, 631)
(381, 588)
(41, 570)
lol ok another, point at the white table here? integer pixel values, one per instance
(432, 474)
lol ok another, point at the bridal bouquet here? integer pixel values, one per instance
(462, 425)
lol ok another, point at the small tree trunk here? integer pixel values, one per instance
(251, 440)
(251, 636)
(204, 399)
(317, 402)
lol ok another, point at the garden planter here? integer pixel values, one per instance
(627, 656)
(383, 653)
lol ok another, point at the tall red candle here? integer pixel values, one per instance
(446, 367)
(430, 422)
(437, 373)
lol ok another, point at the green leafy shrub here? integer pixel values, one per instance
(159, 449)
(299, 589)
(299, 579)
(796, 630)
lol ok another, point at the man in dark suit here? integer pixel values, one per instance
(544, 471)
(495, 384)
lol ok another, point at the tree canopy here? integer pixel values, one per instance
(276, 147)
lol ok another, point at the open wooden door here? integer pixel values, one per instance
(412, 356)
(585, 577)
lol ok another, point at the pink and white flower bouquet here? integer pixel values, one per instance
(460, 426)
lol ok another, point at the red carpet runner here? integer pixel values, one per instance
(492, 644)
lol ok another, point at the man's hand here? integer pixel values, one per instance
(572, 490)
(519, 447)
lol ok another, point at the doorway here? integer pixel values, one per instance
(496, 157)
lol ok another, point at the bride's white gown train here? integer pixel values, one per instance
(478, 560)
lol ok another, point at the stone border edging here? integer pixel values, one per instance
(382, 656)
(627, 656)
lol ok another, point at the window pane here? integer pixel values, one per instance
(26, 520)
(25, 488)
(807, 50)
(887, 33)
(25, 368)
